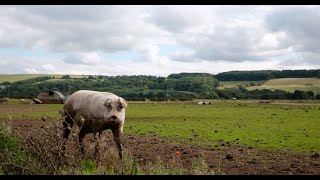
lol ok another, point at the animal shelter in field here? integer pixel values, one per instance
(51, 97)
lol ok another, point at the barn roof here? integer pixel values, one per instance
(44, 95)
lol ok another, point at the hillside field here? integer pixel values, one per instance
(231, 84)
(291, 84)
(286, 84)
(19, 77)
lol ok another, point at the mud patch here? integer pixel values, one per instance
(232, 160)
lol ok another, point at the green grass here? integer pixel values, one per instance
(293, 126)
(13, 159)
(266, 126)
(21, 111)
(263, 126)
(89, 166)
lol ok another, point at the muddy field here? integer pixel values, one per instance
(229, 159)
(234, 160)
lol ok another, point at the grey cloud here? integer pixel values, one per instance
(75, 13)
(86, 59)
(302, 58)
(214, 33)
(237, 33)
(168, 19)
(73, 59)
(184, 56)
(79, 28)
(22, 65)
(227, 44)
(301, 26)
(180, 18)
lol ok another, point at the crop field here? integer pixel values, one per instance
(232, 137)
(291, 84)
(230, 84)
(286, 84)
(19, 77)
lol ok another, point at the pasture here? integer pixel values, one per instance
(233, 137)
(261, 126)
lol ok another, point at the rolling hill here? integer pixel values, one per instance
(291, 84)
(19, 77)
(198, 85)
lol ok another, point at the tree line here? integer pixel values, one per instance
(266, 75)
(137, 87)
(180, 86)
(241, 92)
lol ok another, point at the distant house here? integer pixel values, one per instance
(51, 97)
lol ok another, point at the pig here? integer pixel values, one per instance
(94, 112)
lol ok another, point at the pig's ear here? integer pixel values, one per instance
(123, 102)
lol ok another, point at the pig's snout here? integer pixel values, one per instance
(113, 118)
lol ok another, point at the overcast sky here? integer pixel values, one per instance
(157, 40)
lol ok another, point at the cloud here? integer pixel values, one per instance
(300, 25)
(75, 39)
(48, 67)
(183, 56)
(77, 28)
(301, 59)
(219, 33)
(180, 18)
(83, 58)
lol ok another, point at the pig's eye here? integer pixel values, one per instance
(120, 108)
(109, 106)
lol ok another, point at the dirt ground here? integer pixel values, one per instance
(233, 159)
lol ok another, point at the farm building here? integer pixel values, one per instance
(51, 97)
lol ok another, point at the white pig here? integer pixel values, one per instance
(94, 112)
